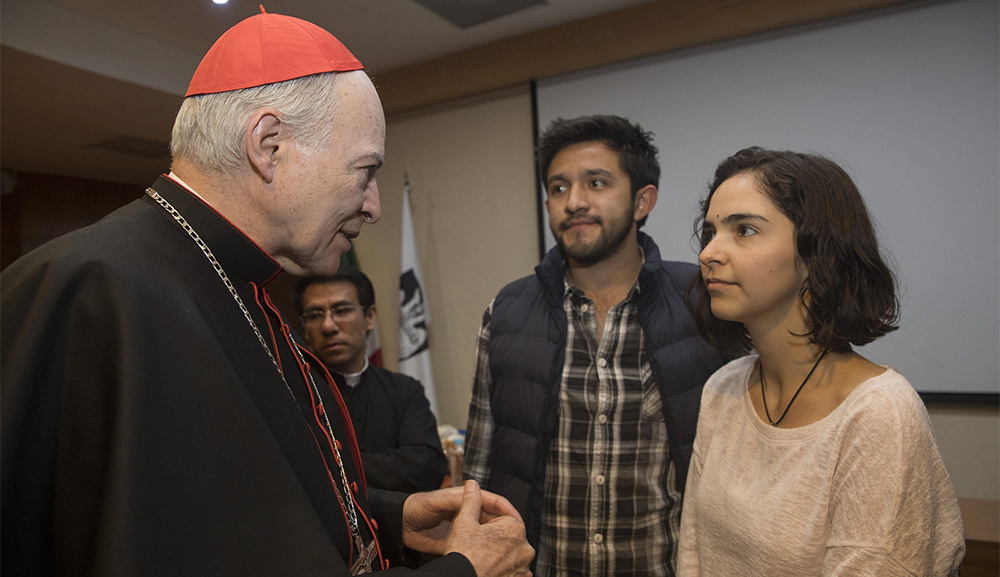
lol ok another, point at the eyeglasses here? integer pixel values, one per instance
(339, 313)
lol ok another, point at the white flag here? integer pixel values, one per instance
(414, 319)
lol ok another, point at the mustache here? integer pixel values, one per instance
(579, 219)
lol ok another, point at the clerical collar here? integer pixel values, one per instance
(174, 176)
(240, 256)
(353, 379)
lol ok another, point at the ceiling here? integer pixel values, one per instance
(89, 88)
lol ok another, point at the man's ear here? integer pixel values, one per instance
(645, 200)
(370, 316)
(266, 133)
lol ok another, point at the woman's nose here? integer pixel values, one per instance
(710, 253)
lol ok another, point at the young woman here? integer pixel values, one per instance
(809, 458)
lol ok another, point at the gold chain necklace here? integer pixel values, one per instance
(363, 564)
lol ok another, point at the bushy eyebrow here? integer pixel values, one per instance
(586, 174)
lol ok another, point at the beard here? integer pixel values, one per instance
(613, 233)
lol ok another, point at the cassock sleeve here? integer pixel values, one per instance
(387, 508)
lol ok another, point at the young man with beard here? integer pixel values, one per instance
(589, 372)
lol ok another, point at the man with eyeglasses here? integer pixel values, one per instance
(395, 428)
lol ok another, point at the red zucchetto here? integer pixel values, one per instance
(268, 48)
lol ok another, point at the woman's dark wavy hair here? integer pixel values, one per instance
(851, 291)
(637, 153)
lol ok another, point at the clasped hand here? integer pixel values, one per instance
(482, 526)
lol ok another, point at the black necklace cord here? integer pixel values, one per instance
(760, 365)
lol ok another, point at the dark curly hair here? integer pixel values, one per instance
(634, 146)
(851, 291)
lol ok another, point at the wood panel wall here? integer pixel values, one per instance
(41, 207)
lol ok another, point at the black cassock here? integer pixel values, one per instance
(146, 430)
(396, 431)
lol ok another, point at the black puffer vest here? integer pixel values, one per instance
(527, 350)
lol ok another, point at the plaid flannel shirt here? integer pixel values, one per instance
(611, 506)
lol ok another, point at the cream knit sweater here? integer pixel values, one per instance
(861, 492)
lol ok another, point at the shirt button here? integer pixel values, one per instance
(598, 538)
(584, 307)
(602, 419)
(600, 479)
(602, 362)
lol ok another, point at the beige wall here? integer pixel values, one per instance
(475, 221)
(969, 440)
(474, 218)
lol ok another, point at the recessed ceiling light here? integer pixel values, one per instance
(221, 1)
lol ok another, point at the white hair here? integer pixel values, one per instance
(209, 129)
